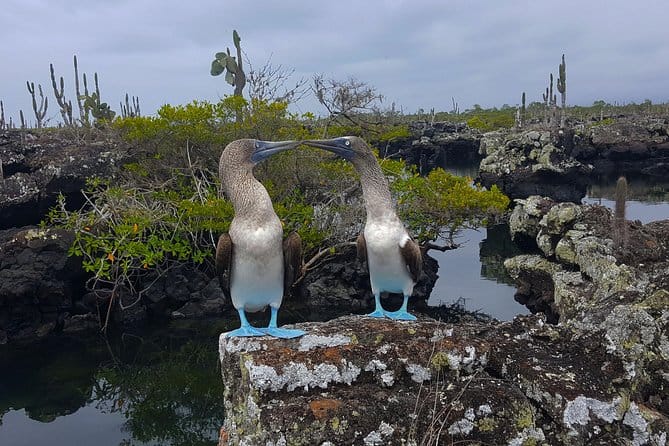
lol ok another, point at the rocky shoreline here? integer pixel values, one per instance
(599, 377)
(590, 368)
(36, 170)
(554, 163)
(560, 164)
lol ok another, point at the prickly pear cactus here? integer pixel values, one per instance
(224, 62)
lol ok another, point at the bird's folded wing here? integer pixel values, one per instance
(413, 258)
(292, 259)
(224, 262)
(361, 246)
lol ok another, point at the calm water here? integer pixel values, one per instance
(162, 386)
(648, 197)
(474, 274)
(155, 387)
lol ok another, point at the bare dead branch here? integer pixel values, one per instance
(270, 83)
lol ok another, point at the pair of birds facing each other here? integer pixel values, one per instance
(255, 264)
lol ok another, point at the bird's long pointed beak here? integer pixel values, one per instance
(338, 146)
(265, 149)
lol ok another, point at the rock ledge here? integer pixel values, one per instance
(357, 380)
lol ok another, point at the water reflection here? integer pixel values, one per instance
(468, 169)
(642, 188)
(143, 389)
(494, 250)
(648, 197)
(475, 273)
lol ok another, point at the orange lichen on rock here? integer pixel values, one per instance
(324, 408)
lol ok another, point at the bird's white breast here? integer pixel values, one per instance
(257, 265)
(387, 269)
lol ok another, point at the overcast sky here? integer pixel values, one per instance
(418, 54)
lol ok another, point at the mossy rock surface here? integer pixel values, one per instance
(357, 380)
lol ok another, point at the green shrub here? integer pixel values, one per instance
(441, 204)
(489, 120)
(128, 231)
(400, 131)
(165, 209)
(603, 122)
(477, 123)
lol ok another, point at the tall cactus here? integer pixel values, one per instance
(2, 116)
(545, 98)
(619, 220)
(130, 111)
(99, 110)
(520, 112)
(562, 88)
(40, 111)
(550, 101)
(65, 106)
(83, 111)
(234, 71)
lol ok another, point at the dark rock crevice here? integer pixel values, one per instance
(36, 170)
(11, 169)
(434, 145)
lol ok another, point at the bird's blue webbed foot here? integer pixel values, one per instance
(402, 314)
(246, 330)
(378, 312)
(283, 333)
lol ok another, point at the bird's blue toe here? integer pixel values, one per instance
(377, 313)
(283, 333)
(401, 315)
(244, 332)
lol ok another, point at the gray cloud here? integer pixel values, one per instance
(418, 54)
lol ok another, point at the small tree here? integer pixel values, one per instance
(268, 84)
(345, 99)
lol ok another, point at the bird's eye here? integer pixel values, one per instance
(348, 143)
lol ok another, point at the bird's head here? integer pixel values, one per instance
(264, 149)
(246, 153)
(351, 148)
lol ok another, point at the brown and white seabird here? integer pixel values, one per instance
(255, 265)
(394, 259)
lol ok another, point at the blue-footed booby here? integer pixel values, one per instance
(255, 265)
(393, 258)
